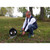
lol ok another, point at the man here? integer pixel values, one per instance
(29, 24)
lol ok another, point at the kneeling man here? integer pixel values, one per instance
(29, 24)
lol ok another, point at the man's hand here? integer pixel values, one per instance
(22, 29)
(23, 32)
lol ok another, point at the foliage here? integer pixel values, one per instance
(47, 10)
(23, 10)
(37, 16)
(3, 11)
(10, 10)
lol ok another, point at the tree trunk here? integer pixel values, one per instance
(42, 13)
(30, 8)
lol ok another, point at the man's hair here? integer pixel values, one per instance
(29, 13)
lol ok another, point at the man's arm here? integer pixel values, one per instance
(31, 22)
(24, 23)
(24, 27)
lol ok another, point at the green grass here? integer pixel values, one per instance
(42, 34)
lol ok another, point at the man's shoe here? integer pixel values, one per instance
(32, 35)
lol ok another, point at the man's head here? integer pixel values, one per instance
(28, 13)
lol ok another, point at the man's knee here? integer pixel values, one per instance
(30, 26)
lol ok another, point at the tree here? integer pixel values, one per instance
(10, 11)
(30, 8)
(42, 13)
(23, 10)
(3, 11)
(48, 11)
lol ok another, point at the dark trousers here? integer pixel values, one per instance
(31, 28)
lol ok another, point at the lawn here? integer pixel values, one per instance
(42, 34)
